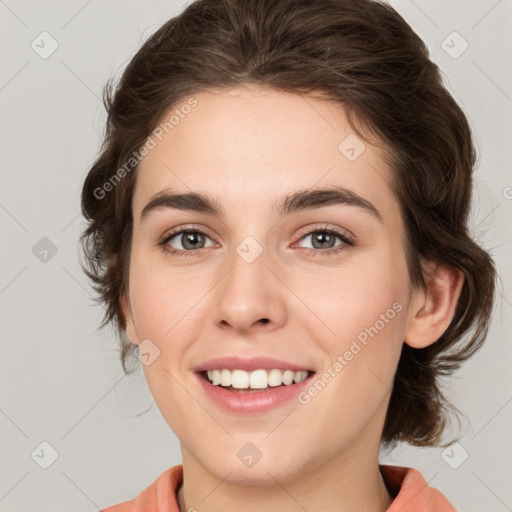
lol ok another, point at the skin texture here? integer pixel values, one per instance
(248, 148)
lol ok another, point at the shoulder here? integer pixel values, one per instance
(160, 495)
(412, 492)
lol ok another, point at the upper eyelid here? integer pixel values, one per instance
(184, 229)
(325, 227)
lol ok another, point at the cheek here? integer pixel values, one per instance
(354, 297)
(160, 298)
(164, 305)
(366, 311)
(362, 309)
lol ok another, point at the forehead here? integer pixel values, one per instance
(251, 144)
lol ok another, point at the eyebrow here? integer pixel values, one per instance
(296, 201)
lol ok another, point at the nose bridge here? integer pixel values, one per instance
(248, 292)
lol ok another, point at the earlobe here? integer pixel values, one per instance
(434, 306)
(131, 331)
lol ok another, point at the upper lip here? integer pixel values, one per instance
(249, 364)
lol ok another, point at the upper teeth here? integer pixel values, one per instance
(257, 379)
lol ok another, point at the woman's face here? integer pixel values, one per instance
(262, 278)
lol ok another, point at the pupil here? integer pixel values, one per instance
(325, 236)
(191, 239)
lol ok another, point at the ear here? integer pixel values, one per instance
(131, 330)
(433, 307)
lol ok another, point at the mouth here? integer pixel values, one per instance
(241, 384)
(241, 381)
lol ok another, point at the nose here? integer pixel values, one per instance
(250, 297)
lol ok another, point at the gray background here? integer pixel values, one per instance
(61, 381)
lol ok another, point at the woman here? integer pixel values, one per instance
(278, 225)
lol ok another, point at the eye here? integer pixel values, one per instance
(184, 242)
(323, 240)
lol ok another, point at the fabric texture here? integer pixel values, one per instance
(408, 487)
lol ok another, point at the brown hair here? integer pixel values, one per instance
(364, 56)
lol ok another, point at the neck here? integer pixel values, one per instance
(331, 486)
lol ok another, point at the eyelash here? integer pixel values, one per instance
(347, 242)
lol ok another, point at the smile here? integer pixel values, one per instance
(258, 391)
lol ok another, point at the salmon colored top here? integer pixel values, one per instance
(408, 487)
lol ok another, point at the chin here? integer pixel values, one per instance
(263, 471)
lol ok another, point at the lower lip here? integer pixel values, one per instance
(256, 401)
